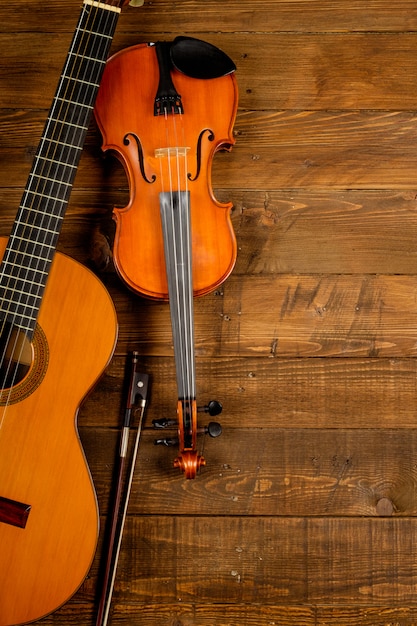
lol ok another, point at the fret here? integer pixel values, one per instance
(81, 81)
(29, 281)
(80, 93)
(35, 177)
(74, 103)
(19, 308)
(37, 245)
(33, 261)
(97, 34)
(54, 149)
(59, 133)
(31, 218)
(87, 58)
(26, 323)
(40, 229)
(70, 124)
(16, 270)
(62, 143)
(29, 301)
(42, 194)
(53, 161)
(84, 66)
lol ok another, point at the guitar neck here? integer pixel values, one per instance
(32, 243)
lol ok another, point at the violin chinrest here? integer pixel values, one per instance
(200, 59)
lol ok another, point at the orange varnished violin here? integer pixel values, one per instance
(165, 109)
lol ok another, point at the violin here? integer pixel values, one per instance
(58, 331)
(164, 110)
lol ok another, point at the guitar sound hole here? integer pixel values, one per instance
(15, 354)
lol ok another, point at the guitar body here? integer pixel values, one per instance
(45, 557)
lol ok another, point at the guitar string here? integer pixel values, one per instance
(28, 229)
(31, 190)
(82, 40)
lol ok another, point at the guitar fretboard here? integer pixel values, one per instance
(32, 243)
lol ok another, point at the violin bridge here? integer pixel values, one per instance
(176, 151)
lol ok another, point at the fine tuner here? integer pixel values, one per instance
(213, 429)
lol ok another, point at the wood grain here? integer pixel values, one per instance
(266, 560)
(305, 512)
(311, 316)
(183, 614)
(301, 393)
(270, 15)
(278, 471)
(299, 71)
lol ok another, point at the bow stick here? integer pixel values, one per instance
(136, 397)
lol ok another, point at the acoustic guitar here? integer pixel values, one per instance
(57, 334)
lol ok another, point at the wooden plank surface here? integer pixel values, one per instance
(268, 16)
(274, 151)
(234, 615)
(305, 513)
(307, 315)
(265, 561)
(271, 472)
(357, 393)
(300, 71)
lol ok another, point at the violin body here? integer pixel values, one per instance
(46, 552)
(124, 111)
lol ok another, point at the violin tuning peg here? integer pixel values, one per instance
(164, 423)
(213, 429)
(166, 442)
(212, 408)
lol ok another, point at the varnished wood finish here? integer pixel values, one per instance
(125, 114)
(42, 463)
(305, 512)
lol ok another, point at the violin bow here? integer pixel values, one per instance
(136, 397)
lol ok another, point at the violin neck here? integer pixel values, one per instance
(38, 223)
(176, 227)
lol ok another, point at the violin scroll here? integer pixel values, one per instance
(189, 461)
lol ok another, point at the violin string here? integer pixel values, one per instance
(182, 305)
(186, 269)
(44, 175)
(189, 303)
(172, 268)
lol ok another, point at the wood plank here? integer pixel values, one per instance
(300, 231)
(271, 15)
(272, 393)
(299, 72)
(314, 231)
(317, 316)
(274, 150)
(264, 561)
(283, 316)
(183, 614)
(270, 472)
